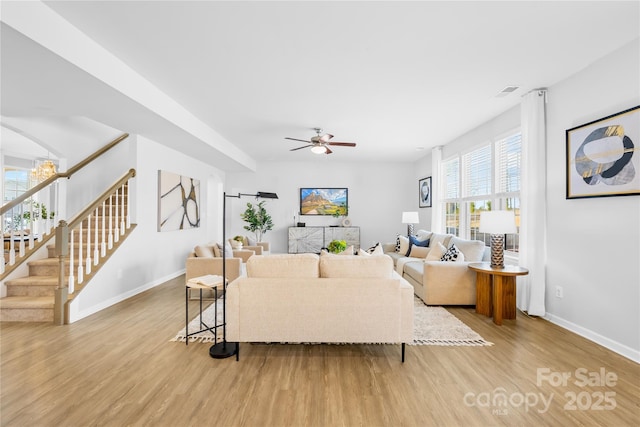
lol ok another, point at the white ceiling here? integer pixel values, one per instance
(392, 76)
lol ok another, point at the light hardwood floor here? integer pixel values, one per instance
(118, 368)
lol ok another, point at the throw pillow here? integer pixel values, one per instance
(251, 241)
(375, 249)
(452, 254)
(362, 252)
(216, 250)
(228, 250)
(442, 238)
(436, 252)
(473, 250)
(419, 252)
(347, 251)
(204, 251)
(397, 243)
(423, 234)
(414, 241)
(404, 245)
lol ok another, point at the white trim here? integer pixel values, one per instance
(76, 315)
(612, 345)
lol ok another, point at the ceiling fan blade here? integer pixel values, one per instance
(294, 139)
(300, 148)
(326, 137)
(343, 144)
(327, 150)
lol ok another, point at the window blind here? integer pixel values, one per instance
(451, 185)
(508, 155)
(477, 172)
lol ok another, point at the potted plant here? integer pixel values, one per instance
(237, 242)
(337, 246)
(258, 220)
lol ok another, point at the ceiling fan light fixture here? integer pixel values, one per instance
(318, 149)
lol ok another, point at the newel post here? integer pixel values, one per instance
(62, 291)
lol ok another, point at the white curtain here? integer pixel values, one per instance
(533, 254)
(437, 189)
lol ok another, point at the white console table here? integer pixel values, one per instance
(313, 239)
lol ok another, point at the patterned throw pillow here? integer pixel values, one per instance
(375, 249)
(397, 243)
(452, 254)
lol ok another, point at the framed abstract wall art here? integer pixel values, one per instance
(424, 192)
(603, 157)
(178, 202)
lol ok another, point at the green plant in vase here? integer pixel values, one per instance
(337, 246)
(258, 220)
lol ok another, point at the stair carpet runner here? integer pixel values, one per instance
(31, 298)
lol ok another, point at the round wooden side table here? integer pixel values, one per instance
(496, 290)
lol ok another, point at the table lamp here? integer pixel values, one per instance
(410, 218)
(497, 223)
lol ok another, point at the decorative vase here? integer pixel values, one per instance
(236, 245)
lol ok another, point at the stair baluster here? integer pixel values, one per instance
(96, 252)
(103, 244)
(72, 279)
(88, 257)
(116, 231)
(110, 243)
(122, 224)
(128, 208)
(31, 223)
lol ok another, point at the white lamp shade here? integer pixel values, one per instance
(410, 218)
(498, 222)
(318, 149)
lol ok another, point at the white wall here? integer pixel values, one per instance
(594, 244)
(149, 257)
(378, 193)
(422, 168)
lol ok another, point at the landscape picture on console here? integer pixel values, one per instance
(324, 201)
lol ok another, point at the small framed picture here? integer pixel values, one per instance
(424, 192)
(602, 158)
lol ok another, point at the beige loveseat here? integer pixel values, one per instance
(440, 282)
(306, 298)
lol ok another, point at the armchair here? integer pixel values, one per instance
(260, 248)
(202, 261)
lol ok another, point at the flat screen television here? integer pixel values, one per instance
(324, 201)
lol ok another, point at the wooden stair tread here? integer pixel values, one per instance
(34, 280)
(26, 302)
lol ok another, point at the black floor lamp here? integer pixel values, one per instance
(227, 349)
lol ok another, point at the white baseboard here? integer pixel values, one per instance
(75, 315)
(612, 345)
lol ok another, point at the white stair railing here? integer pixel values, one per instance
(107, 217)
(28, 222)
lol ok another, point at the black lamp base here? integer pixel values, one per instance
(222, 350)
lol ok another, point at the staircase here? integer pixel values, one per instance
(32, 298)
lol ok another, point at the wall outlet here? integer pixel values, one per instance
(559, 292)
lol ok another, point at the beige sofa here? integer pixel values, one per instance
(441, 282)
(302, 298)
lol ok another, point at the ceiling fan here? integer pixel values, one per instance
(319, 143)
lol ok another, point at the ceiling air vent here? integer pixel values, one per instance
(506, 91)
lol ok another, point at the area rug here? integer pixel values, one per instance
(432, 326)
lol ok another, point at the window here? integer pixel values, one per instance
(16, 182)
(485, 178)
